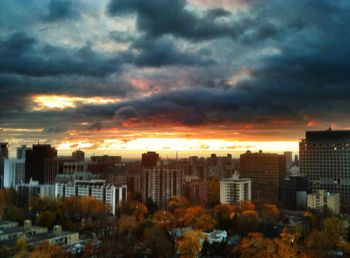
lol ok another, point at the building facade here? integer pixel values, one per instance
(323, 199)
(235, 190)
(325, 159)
(14, 172)
(162, 182)
(294, 190)
(109, 194)
(266, 170)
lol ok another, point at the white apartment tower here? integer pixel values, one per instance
(235, 190)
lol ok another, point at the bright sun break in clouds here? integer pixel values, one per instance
(180, 144)
(43, 102)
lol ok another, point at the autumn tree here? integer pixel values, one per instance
(164, 219)
(20, 248)
(224, 215)
(255, 245)
(197, 218)
(177, 202)
(46, 250)
(159, 242)
(126, 224)
(270, 213)
(248, 221)
(213, 192)
(139, 210)
(287, 245)
(189, 246)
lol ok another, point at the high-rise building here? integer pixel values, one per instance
(27, 192)
(21, 152)
(78, 155)
(289, 159)
(325, 160)
(323, 199)
(35, 160)
(195, 190)
(14, 172)
(235, 190)
(4, 154)
(294, 190)
(4, 150)
(162, 182)
(110, 194)
(150, 159)
(266, 170)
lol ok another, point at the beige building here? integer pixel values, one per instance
(235, 189)
(322, 199)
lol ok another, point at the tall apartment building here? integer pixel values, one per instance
(21, 152)
(150, 159)
(235, 190)
(14, 172)
(4, 154)
(110, 194)
(195, 190)
(162, 182)
(35, 160)
(266, 170)
(325, 159)
(323, 199)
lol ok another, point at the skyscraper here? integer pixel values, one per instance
(4, 154)
(35, 160)
(14, 171)
(325, 159)
(266, 170)
(162, 182)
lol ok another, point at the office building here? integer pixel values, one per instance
(14, 172)
(323, 199)
(266, 170)
(325, 159)
(27, 192)
(162, 182)
(21, 152)
(150, 159)
(289, 159)
(235, 190)
(294, 190)
(109, 194)
(35, 160)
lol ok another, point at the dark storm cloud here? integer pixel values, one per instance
(61, 10)
(55, 130)
(163, 52)
(23, 54)
(161, 17)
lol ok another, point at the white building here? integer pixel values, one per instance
(235, 189)
(322, 199)
(110, 194)
(14, 172)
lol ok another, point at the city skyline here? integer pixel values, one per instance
(124, 77)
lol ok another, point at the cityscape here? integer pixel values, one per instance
(174, 129)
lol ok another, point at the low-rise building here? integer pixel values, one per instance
(322, 199)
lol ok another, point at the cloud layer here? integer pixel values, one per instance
(261, 69)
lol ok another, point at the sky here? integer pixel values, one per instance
(194, 76)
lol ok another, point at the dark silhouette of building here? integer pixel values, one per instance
(266, 170)
(35, 161)
(78, 155)
(150, 159)
(195, 190)
(294, 190)
(324, 159)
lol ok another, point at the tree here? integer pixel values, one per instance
(139, 210)
(255, 245)
(126, 224)
(21, 247)
(46, 250)
(287, 245)
(189, 246)
(318, 244)
(151, 206)
(164, 219)
(248, 221)
(247, 206)
(213, 192)
(159, 242)
(177, 202)
(334, 228)
(47, 219)
(270, 213)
